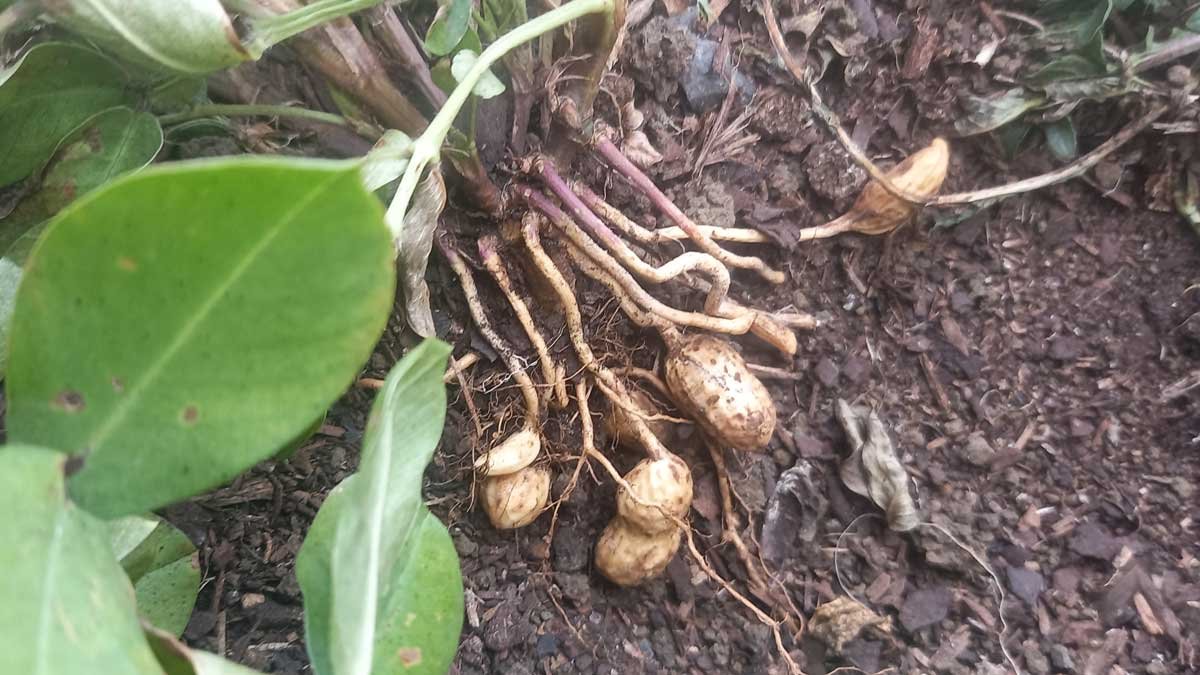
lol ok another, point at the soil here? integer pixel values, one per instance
(1019, 358)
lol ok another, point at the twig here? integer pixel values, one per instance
(491, 261)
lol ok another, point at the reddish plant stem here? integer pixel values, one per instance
(621, 164)
(738, 325)
(717, 274)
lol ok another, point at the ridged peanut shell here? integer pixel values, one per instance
(516, 499)
(664, 486)
(710, 382)
(627, 556)
(513, 454)
(618, 426)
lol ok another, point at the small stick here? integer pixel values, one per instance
(717, 274)
(493, 338)
(735, 326)
(612, 386)
(621, 164)
(491, 261)
(661, 236)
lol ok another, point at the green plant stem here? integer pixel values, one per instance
(268, 31)
(427, 147)
(240, 110)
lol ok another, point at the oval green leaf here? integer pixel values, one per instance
(53, 89)
(188, 321)
(1061, 139)
(448, 27)
(163, 566)
(184, 36)
(380, 576)
(67, 607)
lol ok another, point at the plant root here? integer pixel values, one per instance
(532, 411)
(718, 274)
(644, 235)
(621, 164)
(734, 326)
(605, 378)
(552, 373)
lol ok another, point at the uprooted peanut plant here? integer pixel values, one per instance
(173, 326)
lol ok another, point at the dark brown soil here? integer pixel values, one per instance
(1019, 358)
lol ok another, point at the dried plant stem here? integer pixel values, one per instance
(1072, 170)
(399, 45)
(734, 326)
(532, 414)
(717, 274)
(491, 261)
(643, 235)
(609, 382)
(620, 163)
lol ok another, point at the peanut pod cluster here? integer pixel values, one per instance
(703, 374)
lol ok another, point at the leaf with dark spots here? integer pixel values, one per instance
(217, 246)
(53, 89)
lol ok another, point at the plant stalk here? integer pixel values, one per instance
(241, 110)
(427, 147)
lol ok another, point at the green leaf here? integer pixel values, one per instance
(448, 27)
(53, 89)
(176, 659)
(488, 86)
(163, 566)
(1011, 136)
(111, 143)
(1082, 20)
(380, 577)
(986, 114)
(1067, 67)
(187, 321)
(67, 606)
(183, 36)
(1061, 139)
